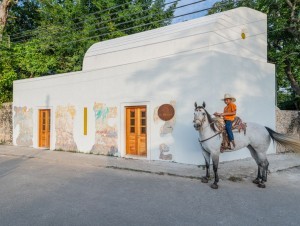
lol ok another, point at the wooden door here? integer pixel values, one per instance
(136, 130)
(44, 128)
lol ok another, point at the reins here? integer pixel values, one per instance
(201, 141)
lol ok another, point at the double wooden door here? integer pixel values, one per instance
(136, 130)
(44, 128)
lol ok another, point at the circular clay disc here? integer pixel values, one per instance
(166, 112)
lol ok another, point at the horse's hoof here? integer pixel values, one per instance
(256, 181)
(204, 180)
(260, 185)
(214, 186)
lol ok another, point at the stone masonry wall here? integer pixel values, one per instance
(287, 122)
(6, 123)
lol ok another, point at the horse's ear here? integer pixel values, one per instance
(203, 105)
(196, 105)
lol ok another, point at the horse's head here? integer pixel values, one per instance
(200, 115)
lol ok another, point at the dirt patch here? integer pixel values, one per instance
(235, 179)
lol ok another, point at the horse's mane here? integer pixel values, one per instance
(210, 120)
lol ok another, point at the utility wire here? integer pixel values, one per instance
(14, 38)
(101, 11)
(122, 23)
(141, 25)
(144, 17)
(137, 26)
(91, 19)
(126, 29)
(126, 22)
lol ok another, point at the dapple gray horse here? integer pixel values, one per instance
(257, 140)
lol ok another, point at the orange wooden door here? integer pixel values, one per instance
(44, 128)
(136, 130)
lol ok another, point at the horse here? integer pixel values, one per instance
(257, 140)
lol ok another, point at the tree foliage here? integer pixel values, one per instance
(44, 37)
(283, 43)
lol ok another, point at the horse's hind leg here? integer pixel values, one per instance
(207, 164)
(267, 169)
(265, 166)
(254, 155)
(261, 159)
(259, 177)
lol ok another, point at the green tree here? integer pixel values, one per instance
(7, 74)
(283, 43)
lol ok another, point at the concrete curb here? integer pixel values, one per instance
(232, 170)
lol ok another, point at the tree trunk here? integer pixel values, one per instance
(294, 84)
(294, 29)
(4, 7)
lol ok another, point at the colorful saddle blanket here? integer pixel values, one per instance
(237, 124)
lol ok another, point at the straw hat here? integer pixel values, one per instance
(228, 96)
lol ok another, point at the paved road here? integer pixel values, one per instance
(40, 192)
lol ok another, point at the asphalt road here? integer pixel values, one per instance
(37, 192)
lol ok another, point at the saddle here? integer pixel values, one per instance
(237, 125)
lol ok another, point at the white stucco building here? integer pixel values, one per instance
(111, 106)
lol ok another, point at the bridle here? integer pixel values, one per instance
(201, 122)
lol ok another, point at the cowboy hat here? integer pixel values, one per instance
(228, 96)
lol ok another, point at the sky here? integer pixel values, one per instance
(200, 5)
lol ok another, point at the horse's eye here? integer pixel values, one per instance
(203, 114)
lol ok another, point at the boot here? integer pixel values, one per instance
(232, 144)
(225, 146)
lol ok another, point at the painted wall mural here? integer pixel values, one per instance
(106, 137)
(165, 130)
(164, 155)
(24, 119)
(64, 124)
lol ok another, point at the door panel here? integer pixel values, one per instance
(44, 128)
(136, 130)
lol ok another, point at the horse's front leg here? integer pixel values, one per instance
(207, 164)
(215, 159)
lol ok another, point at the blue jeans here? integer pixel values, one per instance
(228, 126)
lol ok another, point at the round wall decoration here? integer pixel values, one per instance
(166, 112)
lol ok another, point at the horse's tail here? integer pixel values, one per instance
(292, 143)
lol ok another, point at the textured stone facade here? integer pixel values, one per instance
(6, 123)
(287, 122)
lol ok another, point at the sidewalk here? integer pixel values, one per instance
(238, 169)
